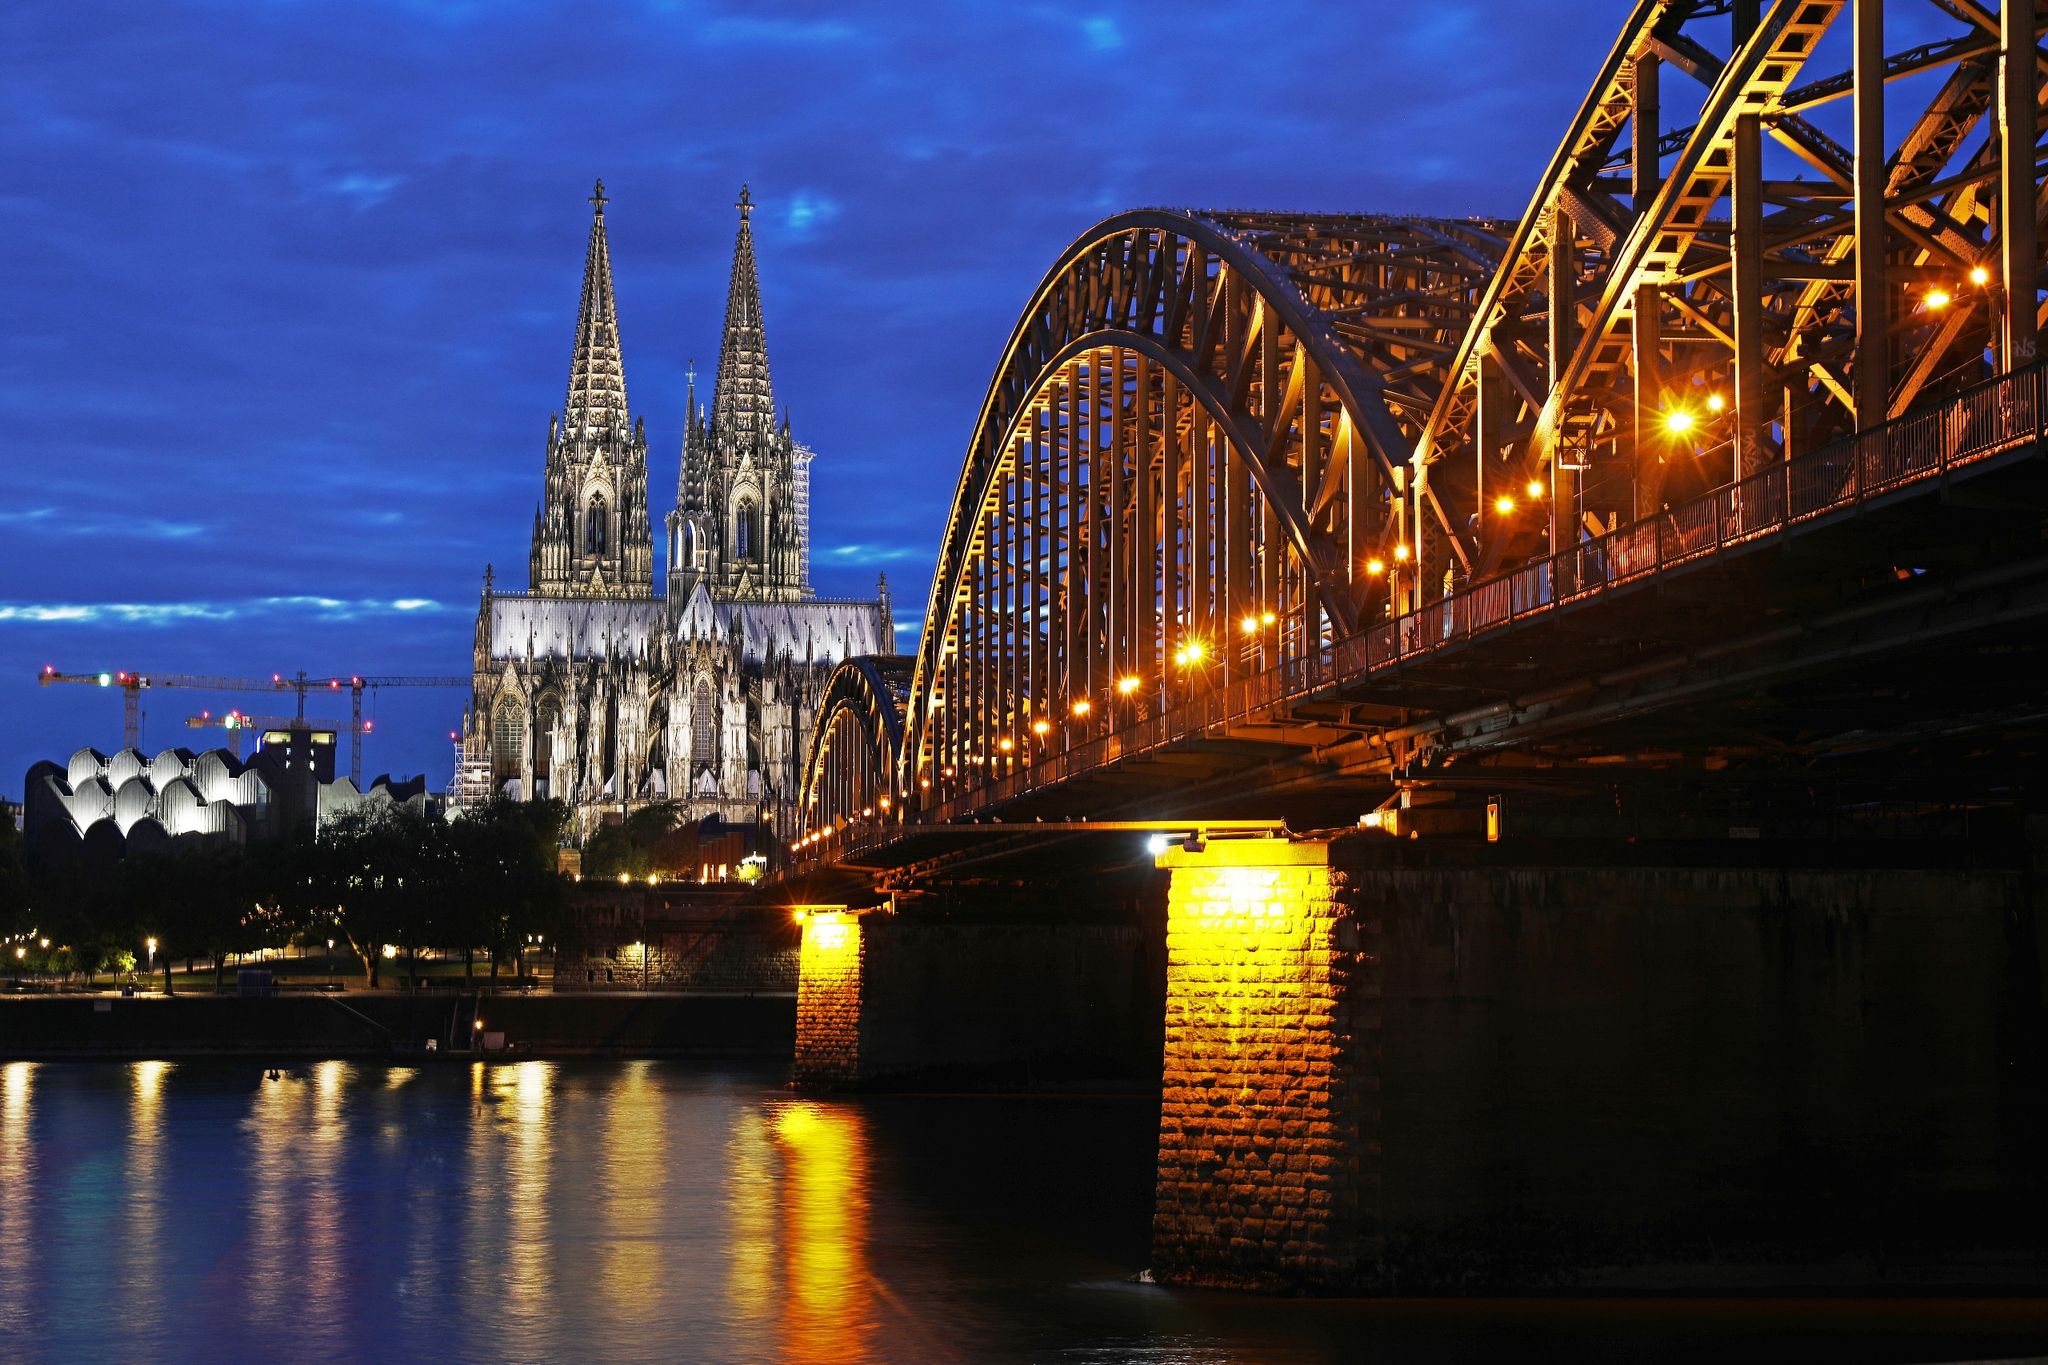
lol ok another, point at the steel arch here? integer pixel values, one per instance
(1294, 357)
(851, 766)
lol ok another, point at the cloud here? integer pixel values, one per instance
(856, 555)
(285, 609)
(51, 521)
(808, 210)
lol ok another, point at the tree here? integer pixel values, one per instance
(635, 845)
(502, 885)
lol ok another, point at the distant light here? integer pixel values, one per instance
(1534, 488)
(1400, 554)
(1156, 845)
(1082, 707)
(477, 1024)
(106, 679)
(654, 879)
(623, 879)
(390, 951)
(1267, 618)
(1125, 685)
(1715, 402)
(1251, 625)
(1007, 744)
(1678, 421)
(1503, 504)
(884, 801)
(1375, 567)
(1039, 727)
(1194, 651)
(1980, 276)
(1936, 299)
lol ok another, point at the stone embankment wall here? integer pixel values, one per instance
(1405, 1070)
(740, 951)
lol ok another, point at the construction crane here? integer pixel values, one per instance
(240, 723)
(134, 682)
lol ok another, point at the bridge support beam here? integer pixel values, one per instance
(1446, 1064)
(983, 994)
(1268, 1146)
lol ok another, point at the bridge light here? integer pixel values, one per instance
(1678, 421)
(924, 782)
(1979, 276)
(1189, 653)
(1375, 567)
(1936, 299)
(1082, 707)
(1128, 684)
(1156, 845)
(1039, 727)
(867, 812)
(1715, 402)
(1401, 554)
(883, 803)
(1251, 625)
(1503, 504)
(1007, 744)
(1534, 488)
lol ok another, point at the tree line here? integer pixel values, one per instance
(371, 877)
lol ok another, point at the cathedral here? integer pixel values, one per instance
(612, 687)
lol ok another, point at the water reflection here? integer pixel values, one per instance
(635, 1189)
(296, 1131)
(828, 1316)
(525, 1092)
(142, 1226)
(18, 1196)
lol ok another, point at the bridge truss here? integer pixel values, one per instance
(1225, 447)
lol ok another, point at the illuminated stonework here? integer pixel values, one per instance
(828, 998)
(1268, 1167)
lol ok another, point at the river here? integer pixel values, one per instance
(649, 1211)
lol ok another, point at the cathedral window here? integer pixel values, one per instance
(595, 524)
(508, 739)
(743, 533)
(703, 729)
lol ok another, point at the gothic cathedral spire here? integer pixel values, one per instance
(597, 373)
(590, 536)
(743, 400)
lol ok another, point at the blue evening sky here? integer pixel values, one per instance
(289, 287)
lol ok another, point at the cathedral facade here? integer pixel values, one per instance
(613, 687)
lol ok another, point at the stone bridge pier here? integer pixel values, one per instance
(1398, 1066)
(991, 990)
(1445, 1064)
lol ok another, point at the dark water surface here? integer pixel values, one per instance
(648, 1211)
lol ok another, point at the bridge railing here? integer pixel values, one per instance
(1983, 421)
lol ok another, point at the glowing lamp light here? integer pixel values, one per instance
(390, 951)
(1936, 300)
(1267, 618)
(1678, 422)
(477, 1025)
(1082, 707)
(1979, 276)
(1251, 625)
(1039, 727)
(1156, 845)
(1503, 504)
(1127, 684)
(106, 680)
(1007, 744)
(1534, 488)
(1194, 651)
(884, 802)
(623, 879)
(1375, 567)
(924, 783)
(1715, 402)
(1400, 554)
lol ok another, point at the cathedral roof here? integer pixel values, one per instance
(586, 627)
(597, 372)
(743, 399)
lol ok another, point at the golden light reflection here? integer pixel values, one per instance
(829, 1312)
(142, 1221)
(297, 1139)
(525, 1092)
(18, 1194)
(751, 1245)
(636, 1175)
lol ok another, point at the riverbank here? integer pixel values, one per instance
(112, 1028)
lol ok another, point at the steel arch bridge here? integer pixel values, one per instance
(850, 773)
(1222, 449)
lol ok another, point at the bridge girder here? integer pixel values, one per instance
(1199, 417)
(851, 765)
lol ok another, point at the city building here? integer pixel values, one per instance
(100, 807)
(610, 686)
